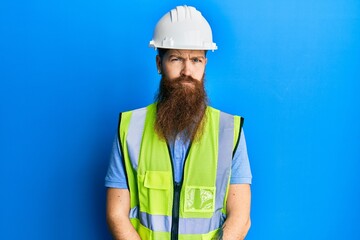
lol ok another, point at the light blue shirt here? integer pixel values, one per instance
(240, 169)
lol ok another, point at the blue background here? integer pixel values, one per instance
(291, 68)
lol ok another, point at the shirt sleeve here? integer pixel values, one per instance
(240, 169)
(115, 177)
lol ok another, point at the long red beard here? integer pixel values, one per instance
(181, 105)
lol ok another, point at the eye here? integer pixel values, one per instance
(197, 60)
(175, 59)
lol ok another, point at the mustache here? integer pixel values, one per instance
(185, 79)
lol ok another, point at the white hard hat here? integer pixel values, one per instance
(183, 28)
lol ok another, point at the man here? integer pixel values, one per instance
(179, 168)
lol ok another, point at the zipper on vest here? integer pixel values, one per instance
(176, 203)
(175, 211)
(176, 198)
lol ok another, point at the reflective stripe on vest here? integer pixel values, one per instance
(191, 221)
(161, 223)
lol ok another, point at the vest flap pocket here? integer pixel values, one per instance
(157, 179)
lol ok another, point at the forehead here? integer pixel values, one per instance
(181, 52)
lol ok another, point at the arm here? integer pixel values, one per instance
(237, 223)
(117, 214)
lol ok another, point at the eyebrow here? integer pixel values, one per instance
(198, 57)
(181, 56)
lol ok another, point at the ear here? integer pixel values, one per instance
(158, 63)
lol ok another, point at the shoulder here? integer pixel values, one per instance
(138, 110)
(212, 109)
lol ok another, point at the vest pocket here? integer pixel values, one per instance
(154, 192)
(199, 199)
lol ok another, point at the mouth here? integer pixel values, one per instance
(188, 83)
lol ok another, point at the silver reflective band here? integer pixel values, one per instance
(134, 212)
(226, 144)
(158, 223)
(201, 225)
(161, 223)
(135, 132)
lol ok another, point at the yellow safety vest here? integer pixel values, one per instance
(160, 207)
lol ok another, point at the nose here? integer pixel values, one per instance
(186, 69)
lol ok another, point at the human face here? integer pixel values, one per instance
(182, 63)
